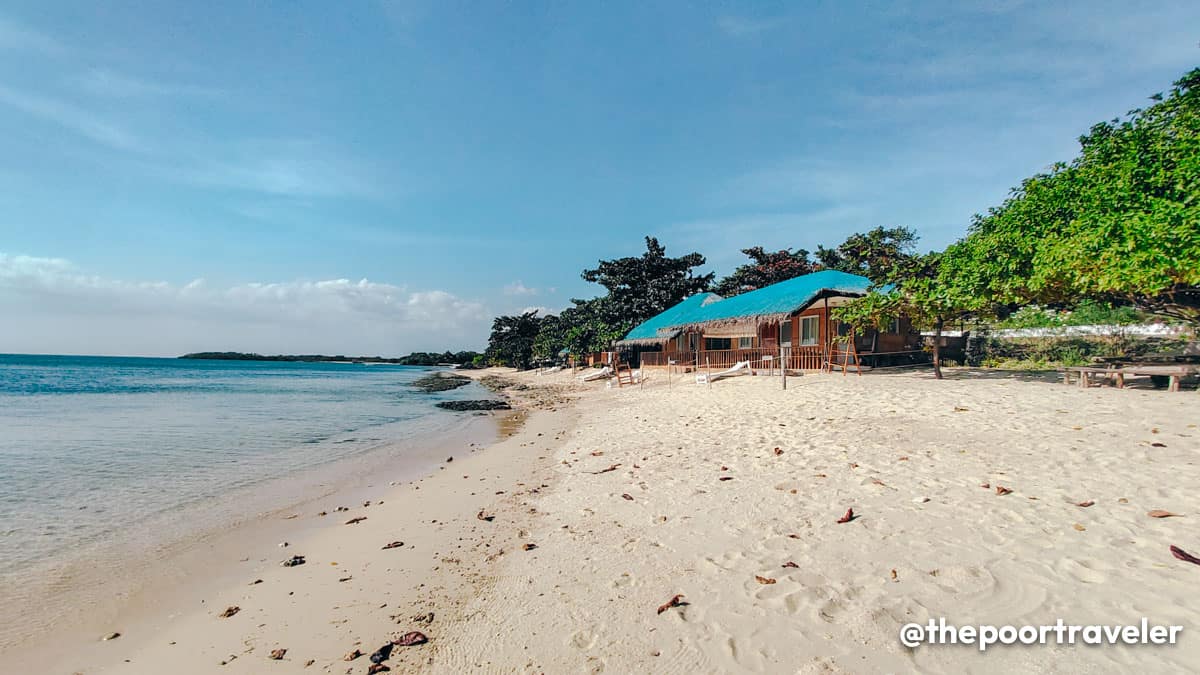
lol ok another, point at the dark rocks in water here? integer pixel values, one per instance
(293, 561)
(441, 382)
(382, 654)
(474, 405)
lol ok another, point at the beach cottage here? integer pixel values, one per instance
(788, 322)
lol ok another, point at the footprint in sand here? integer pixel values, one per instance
(1081, 571)
(624, 581)
(583, 640)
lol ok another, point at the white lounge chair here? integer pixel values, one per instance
(598, 375)
(739, 368)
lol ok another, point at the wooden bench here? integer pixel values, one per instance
(1173, 373)
(1087, 373)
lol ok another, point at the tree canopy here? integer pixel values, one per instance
(643, 286)
(876, 254)
(1120, 222)
(765, 268)
(512, 338)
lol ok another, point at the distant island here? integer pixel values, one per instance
(413, 359)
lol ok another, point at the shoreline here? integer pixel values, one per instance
(177, 576)
(555, 549)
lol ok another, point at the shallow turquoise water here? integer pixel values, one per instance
(90, 446)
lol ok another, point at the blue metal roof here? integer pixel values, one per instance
(784, 297)
(776, 300)
(658, 327)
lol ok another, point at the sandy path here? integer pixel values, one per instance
(585, 599)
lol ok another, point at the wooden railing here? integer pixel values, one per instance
(796, 358)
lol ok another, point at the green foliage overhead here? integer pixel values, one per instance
(1120, 222)
(765, 268)
(640, 287)
(875, 255)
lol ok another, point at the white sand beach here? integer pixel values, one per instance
(603, 509)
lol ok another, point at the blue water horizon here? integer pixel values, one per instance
(90, 441)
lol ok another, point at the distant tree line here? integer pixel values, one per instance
(413, 359)
(1118, 226)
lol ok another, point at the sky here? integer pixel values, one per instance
(384, 177)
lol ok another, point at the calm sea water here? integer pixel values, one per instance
(92, 446)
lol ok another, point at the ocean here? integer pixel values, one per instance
(108, 460)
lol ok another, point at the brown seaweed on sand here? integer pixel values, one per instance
(847, 517)
(411, 639)
(791, 564)
(1184, 555)
(675, 601)
(1086, 504)
(230, 611)
(613, 467)
(627, 497)
(1001, 490)
(1159, 513)
(764, 580)
(352, 654)
(277, 654)
(485, 516)
(394, 544)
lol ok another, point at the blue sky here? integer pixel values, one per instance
(381, 177)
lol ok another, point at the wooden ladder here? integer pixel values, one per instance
(624, 373)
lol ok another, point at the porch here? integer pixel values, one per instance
(794, 358)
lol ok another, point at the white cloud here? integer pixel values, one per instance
(51, 306)
(69, 116)
(518, 288)
(104, 82)
(273, 167)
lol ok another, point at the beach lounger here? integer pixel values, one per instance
(598, 375)
(739, 368)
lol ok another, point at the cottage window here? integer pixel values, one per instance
(716, 344)
(809, 330)
(785, 333)
(745, 343)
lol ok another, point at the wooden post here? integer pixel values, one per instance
(707, 372)
(782, 366)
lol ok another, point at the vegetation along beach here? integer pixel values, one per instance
(625, 338)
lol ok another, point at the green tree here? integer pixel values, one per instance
(1120, 222)
(638, 288)
(511, 341)
(919, 288)
(765, 268)
(551, 338)
(875, 254)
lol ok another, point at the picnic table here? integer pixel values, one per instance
(1173, 372)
